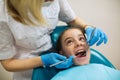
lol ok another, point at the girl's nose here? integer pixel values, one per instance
(79, 43)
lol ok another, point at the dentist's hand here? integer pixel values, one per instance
(98, 36)
(52, 58)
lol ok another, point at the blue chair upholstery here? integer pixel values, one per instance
(96, 57)
(91, 71)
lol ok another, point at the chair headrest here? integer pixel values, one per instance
(56, 33)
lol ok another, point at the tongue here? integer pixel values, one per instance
(81, 54)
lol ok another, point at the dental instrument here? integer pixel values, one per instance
(92, 34)
(57, 63)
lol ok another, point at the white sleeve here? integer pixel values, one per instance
(3, 11)
(7, 49)
(66, 13)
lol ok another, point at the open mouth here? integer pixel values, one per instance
(81, 54)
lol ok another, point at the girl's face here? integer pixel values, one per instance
(74, 44)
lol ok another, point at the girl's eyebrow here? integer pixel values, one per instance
(71, 37)
(67, 39)
(81, 34)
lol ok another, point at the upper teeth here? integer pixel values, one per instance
(80, 51)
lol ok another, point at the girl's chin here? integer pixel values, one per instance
(81, 61)
(80, 64)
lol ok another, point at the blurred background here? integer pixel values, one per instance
(104, 14)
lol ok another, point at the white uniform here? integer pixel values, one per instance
(21, 41)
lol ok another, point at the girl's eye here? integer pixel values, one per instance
(82, 39)
(69, 42)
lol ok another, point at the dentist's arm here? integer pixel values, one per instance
(97, 38)
(14, 65)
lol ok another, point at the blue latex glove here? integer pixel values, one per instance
(98, 36)
(52, 58)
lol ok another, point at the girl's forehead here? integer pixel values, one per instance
(72, 32)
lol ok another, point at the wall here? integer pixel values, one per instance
(104, 14)
(4, 75)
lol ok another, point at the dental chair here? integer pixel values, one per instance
(96, 57)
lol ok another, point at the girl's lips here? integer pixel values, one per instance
(80, 59)
(80, 54)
